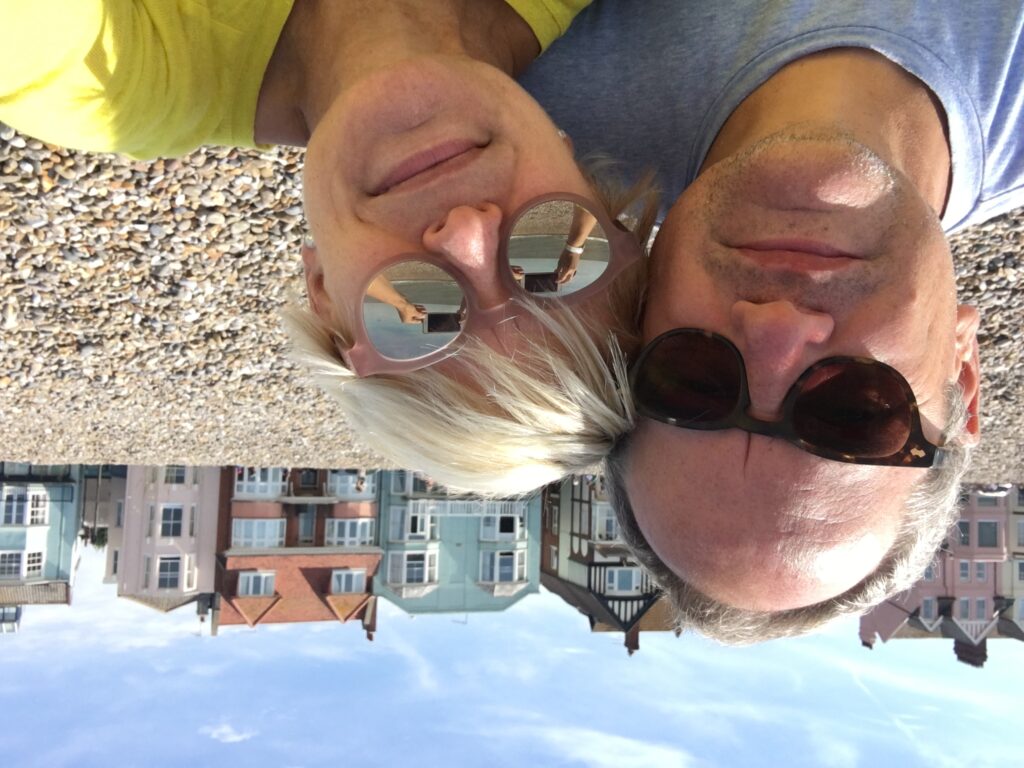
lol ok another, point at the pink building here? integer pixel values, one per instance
(968, 593)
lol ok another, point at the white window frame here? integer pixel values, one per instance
(1020, 572)
(35, 562)
(192, 514)
(174, 471)
(257, 532)
(343, 484)
(611, 581)
(400, 563)
(964, 608)
(255, 583)
(38, 508)
(14, 566)
(1020, 533)
(490, 527)
(262, 482)
(349, 531)
(160, 576)
(981, 572)
(14, 506)
(190, 573)
(984, 500)
(606, 525)
(980, 608)
(491, 566)
(995, 526)
(171, 523)
(553, 557)
(407, 523)
(965, 570)
(348, 581)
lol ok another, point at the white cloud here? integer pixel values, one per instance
(226, 734)
(597, 749)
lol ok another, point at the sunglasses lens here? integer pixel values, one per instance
(557, 248)
(413, 309)
(689, 377)
(860, 409)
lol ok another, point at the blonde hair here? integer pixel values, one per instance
(557, 408)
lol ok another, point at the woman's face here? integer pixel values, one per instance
(404, 147)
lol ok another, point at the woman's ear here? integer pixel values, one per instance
(319, 300)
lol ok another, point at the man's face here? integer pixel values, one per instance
(797, 249)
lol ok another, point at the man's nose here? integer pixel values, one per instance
(469, 236)
(778, 341)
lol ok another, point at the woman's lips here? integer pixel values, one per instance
(424, 166)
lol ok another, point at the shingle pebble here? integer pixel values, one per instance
(138, 307)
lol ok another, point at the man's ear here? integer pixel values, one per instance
(967, 320)
(319, 300)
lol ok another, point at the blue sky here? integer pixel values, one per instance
(112, 682)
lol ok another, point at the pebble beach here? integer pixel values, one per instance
(139, 310)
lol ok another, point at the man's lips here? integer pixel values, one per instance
(797, 255)
(425, 165)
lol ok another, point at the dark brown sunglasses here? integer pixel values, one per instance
(850, 409)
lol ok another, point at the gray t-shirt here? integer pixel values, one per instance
(650, 82)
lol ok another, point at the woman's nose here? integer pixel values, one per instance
(778, 341)
(468, 236)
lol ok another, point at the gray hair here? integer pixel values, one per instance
(555, 409)
(929, 513)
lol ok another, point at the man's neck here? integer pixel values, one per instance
(861, 94)
(326, 44)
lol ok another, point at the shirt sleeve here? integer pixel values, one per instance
(549, 19)
(145, 78)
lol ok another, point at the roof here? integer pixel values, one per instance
(164, 604)
(41, 593)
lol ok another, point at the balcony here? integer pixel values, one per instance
(260, 483)
(345, 486)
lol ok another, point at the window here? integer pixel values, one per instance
(10, 565)
(174, 475)
(352, 532)
(348, 580)
(928, 608)
(965, 570)
(190, 574)
(307, 523)
(252, 534)
(255, 583)
(34, 565)
(169, 574)
(307, 478)
(192, 521)
(113, 562)
(929, 572)
(1020, 533)
(988, 534)
(503, 527)
(503, 566)
(38, 507)
(1020, 571)
(980, 572)
(965, 608)
(265, 482)
(170, 522)
(988, 501)
(15, 501)
(119, 519)
(411, 524)
(1020, 497)
(622, 581)
(195, 475)
(147, 566)
(965, 532)
(398, 481)
(981, 608)
(606, 527)
(152, 521)
(553, 558)
(412, 568)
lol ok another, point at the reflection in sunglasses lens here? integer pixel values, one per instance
(691, 378)
(855, 408)
(557, 248)
(413, 309)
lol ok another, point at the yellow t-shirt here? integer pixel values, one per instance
(152, 78)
